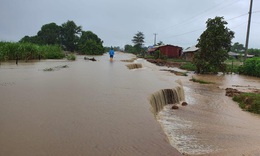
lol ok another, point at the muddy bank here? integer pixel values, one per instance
(160, 62)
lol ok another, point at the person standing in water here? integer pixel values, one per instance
(111, 53)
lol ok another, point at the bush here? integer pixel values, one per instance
(159, 55)
(188, 66)
(251, 67)
(71, 57)
(52, 52)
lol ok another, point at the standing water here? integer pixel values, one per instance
(89, 108)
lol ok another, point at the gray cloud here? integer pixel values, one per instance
(116, 21)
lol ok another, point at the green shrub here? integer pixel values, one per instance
(232, 68)
(200, 81)
(52, 52)
(71, 57)
(159, 55)
(188, 66)
(251, 67)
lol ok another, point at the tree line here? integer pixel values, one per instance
(69, 36)
(240, 48)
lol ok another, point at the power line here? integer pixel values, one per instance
(238, 25)
(186, 33)
(209, 9)
(237, 17)
(256, 11)
(193, 17)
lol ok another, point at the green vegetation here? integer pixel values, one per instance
(129, 49)
(56, 68)
(249, 102)
(69, 36)
(251, 67)
(188, 66)
(176, 72)
(200, 81)
(138, 41)
(214, 44)
(27, 51)
(71, 57)
(159, 55)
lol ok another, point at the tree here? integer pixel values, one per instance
(90, 44)
(30, 39)
(253, 51)
(237, 47)
(138, 41)
(50, 34)
(214, 44)
(129, 48)
(70, 35)
(160, 43)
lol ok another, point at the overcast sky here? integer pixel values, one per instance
(177, 22)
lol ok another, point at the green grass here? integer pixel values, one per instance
(200, 81)
(188, 66)
(176, 60)
(56, 68)
(249, 102)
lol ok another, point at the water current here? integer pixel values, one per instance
(212, 124)
(103, 108)
(90, 108)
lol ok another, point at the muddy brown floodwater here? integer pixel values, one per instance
(90, 108)
(212, 124)
(102, 108)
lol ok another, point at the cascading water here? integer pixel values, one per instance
(134, 66)
(166, 96)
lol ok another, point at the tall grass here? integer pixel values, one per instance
(27, 51)
(249, 102)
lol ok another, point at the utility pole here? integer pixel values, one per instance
(248, 29)
(155, 38)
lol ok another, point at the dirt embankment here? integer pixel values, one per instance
(160, 62)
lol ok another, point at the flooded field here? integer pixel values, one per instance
(103, 108)
(89, 108)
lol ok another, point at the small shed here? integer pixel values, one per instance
(188, 54)
(168, 50)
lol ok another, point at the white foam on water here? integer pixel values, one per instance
(174, 127)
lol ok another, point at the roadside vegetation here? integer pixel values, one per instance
(249, 102)
(200, 81)
(51, 41)
(251, 67)
(69, 36)
(27, 51)
(71, 57)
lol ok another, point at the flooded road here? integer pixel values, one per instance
(212, 124)
(103, 108)
(90, 108)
